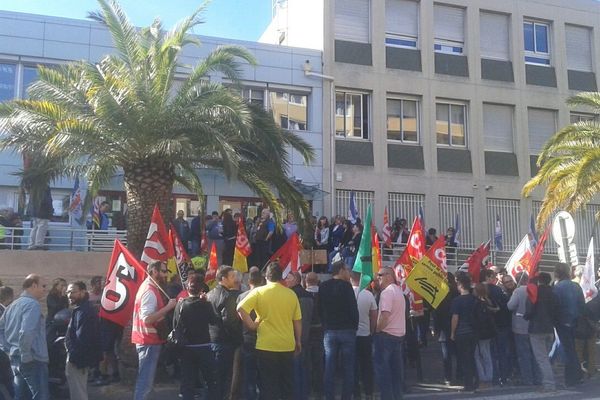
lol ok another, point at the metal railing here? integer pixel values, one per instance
(65, 238)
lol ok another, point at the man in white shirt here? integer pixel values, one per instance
(367, 321)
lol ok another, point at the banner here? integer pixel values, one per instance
(429, 281)
(352, 210)
(75, 203)
(123, 279)
(182, 259)
(158, 246)
(519, 260)
(387, 229)
(242, 248)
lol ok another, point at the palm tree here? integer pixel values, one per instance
(569, 165)
(128, 114)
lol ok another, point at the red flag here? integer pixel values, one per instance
(387, 229)
(213, 265)
(288, 255)
(532, 270)
(475, 260)
(123, 279)
(437, 254)
(415, 246)
(242, 248)
(158, 246)
(203, 238)
(182, 259)
(376, 251)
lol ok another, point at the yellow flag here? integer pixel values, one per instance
(429, 281)
(240, 262)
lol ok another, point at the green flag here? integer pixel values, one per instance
(364, 257)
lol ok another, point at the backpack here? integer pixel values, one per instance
(483, 321)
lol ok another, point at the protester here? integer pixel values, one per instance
(351, 247)
(250, 375)
(7, 295)
(570, 306)
(226, 332)
(463, 331)
(265, 228)
(431, 237)
(389, 337)
(339, 315)
(442, 326)
(367, 322)
(214, 234)
(95, 292)
(279, 333)
(542, 315)
(57, 299)
(183, 229)
(301, 388)
(336, 234)
(290, 227)
(41, 211)
(82, 340)
(192, 318)
(23, 338)
(485, 311)
(585, 333)
(316, 351)
(149, 325)
(196, 232)
(6, 376)
(229, 236)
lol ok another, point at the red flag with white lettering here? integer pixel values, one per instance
(288, 255)
(415, 246)
(437, 254)
(213, 265)
(123, 279)
(476, 259)
(387, 229)
(182, 259)
(158, 246)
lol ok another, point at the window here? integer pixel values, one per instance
(579, 48)
(352, 20)
(450, 124)
(542, 125)
(352, 115)
(254, 96)
(402, 120)
(362, 200)
(494, 37)
(401, 23)
(8, 76)
(458, 209)
(405, 205)
(30, 75)
(449, 29)
(289, 110)
(507, 211)
(498, 127)
(537, 43)
(582, 117)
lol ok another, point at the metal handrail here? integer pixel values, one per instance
(61, 238)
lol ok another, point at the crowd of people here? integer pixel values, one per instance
(271, 336)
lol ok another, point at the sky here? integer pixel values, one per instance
(234, 19)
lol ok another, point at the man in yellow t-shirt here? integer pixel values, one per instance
(279, 328)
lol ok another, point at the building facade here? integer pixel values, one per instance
(277, 82)
(446, 105)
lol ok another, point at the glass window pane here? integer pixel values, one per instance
(30, 75)
(340, 111)
(297, 112)
(394, 129)
(279, 107)
(409, 120)
(7, 81)
(541, 38)
(441, 125)
(365, 116)
(356, 122)
(528, 36)
(458, 125)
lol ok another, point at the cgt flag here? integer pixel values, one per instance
(123, 279)
(288, 255)
(519, 260)
(387, 229)
(182, 259)
(242, 248)
(158, 246)
(476, 259)
(213, 266)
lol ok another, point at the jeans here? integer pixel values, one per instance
(502, 348)
(483, 361)
(530, 374)
(192, 360)
(388, 362)
(223, 354)
(276, 374)
(364, 365)
(465, 349)
(31, 380)
(541, 343)
(37, 236)
(338, 342)
(250, 371)
(573, 373)
(148, 360)
(448, 355)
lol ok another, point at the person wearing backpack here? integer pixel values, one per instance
(542, 316)
(517, 304)
(463, 329)
(486, 331)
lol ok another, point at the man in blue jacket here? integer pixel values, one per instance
(82, 340)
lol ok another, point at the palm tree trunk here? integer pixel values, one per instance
(146, 184)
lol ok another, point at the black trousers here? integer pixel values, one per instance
(276, 374)
(364, 365)
(465, 349)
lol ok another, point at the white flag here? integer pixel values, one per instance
(519, 261)
(588, 278)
